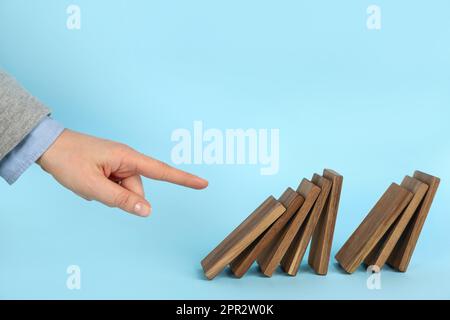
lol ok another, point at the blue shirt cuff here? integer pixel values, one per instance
(29, 149)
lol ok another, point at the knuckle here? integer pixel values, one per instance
(119, 149)
(122, 146)
(124, 153)
(122, 199)
(164, 169)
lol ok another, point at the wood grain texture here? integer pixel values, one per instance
(322, 240)
(373, 227)
(294, 256)
(292, 201)
(271, 257)
(238, 240)
(379, 255)
(403, 251)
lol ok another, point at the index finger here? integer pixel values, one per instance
(158, 170)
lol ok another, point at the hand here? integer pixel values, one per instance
(109, 172)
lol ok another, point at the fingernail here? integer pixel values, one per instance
(202, 182)
(142, 209)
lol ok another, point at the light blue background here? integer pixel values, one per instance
(373, 105)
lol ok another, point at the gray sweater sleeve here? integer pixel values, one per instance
(20, 112)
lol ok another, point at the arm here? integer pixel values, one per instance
(109, 172)
(20, 113)
(93, 168)
(19, 159)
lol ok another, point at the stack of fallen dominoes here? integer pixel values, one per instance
(390, 231)
(278, 231)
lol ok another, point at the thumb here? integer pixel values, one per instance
(114, 195)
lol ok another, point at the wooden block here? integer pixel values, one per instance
(373, 227)
(383, 249)
(401, 256)
(294, 256)
(322, 240)
(271, 257)
(292, 201)
(238, 240)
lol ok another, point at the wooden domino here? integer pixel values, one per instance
(238, 240)
(271, 257)
(383, 249)
(293, 257)
(292, 201)
(373, 227)
(279, 231)
(402, 253)
(322, 240)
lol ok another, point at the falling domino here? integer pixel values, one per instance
(272, 256)
(322, 240)
(294, 256)
(401, 256)
(373, 227)
(292, 201)
(238, 240)
(384, 248)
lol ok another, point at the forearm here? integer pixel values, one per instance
(28, 151)
(20, 113)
